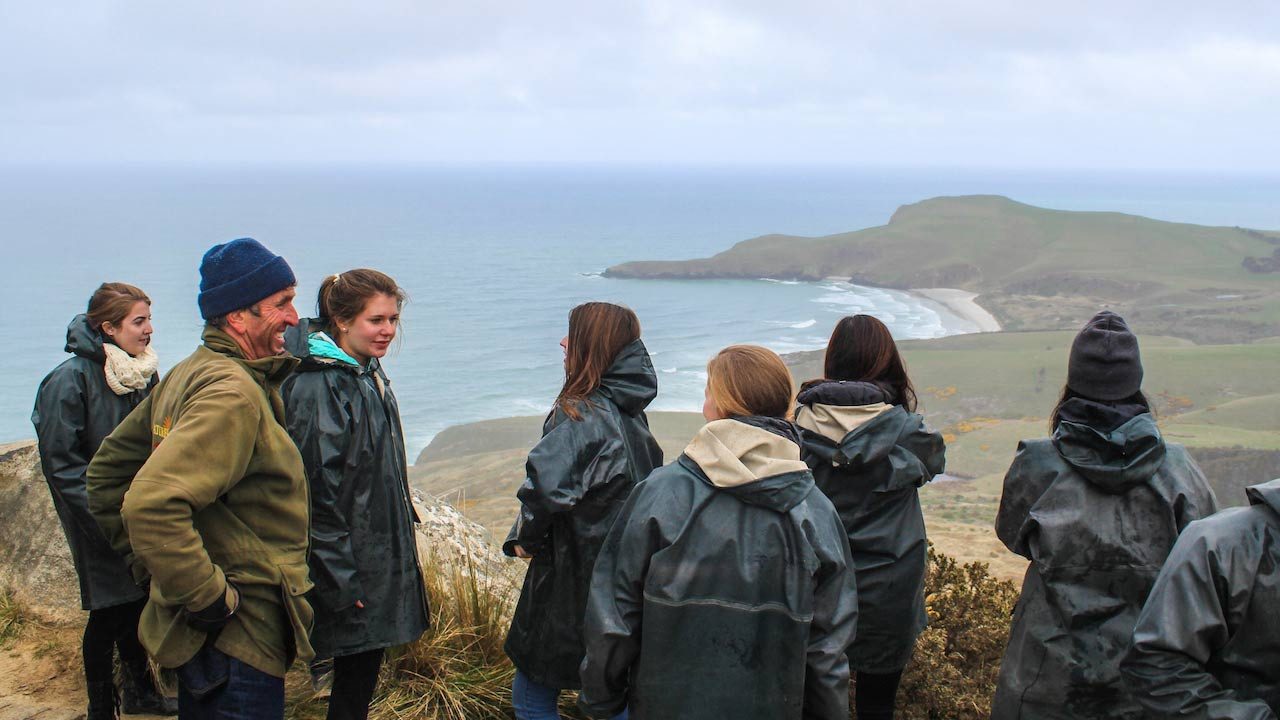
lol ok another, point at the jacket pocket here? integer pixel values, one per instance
(294, 585)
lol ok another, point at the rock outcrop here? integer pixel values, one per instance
(35, 562)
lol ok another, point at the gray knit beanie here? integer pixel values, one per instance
(1105, 364)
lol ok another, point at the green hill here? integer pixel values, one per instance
(1035, 268)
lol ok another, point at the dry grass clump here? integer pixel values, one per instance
(12, 619)
(457, 669)
(952, 675)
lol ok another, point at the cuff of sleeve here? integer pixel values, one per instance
(209, 592)
(602, 710)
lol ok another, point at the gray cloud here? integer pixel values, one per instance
(1103, 84)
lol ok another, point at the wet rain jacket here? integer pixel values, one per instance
(202, 486)
(869, 456)
(346, 423)
(1096, 509)
(1207, 644)
(725, 589)
(75, 410)
(577, 478)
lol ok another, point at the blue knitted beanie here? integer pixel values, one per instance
(238, 274)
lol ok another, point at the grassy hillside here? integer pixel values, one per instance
(985, 392)
(1035, 268)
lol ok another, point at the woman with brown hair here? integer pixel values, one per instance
(595, 446)
(111, 370)
(725, 588)
(1096, 507)
(869, 452)
(346, 422)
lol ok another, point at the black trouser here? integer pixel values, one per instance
(354, 679)
(874, 694)
(112, 628)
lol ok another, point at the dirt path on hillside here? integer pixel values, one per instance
(42, 678)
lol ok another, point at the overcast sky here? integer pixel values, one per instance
(995, 83)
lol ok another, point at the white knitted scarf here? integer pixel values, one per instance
(126, 373)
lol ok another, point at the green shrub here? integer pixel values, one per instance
(952, 675)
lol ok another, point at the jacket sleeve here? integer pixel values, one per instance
(204, 455)
(570, 459)
(1182, 625)
(320, 425)
(1195, 499)
(60, 418)
(110, 475)
(1022, 488)
(615, 606)
(835, 621)
(928, 446)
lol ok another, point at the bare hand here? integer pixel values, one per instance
(359, 604)
(521, 552)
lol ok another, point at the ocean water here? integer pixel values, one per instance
(494, 257)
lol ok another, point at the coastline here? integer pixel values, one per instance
(962, 303)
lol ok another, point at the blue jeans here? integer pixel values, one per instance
(216, 686)
(532, 701)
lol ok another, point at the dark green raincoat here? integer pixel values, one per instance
(869, 456)
(1096, 509)
(725, 589)
(75, 410)
(346, 423)
(1207, 644)
(577, 478)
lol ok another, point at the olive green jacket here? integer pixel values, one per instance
(202, 484)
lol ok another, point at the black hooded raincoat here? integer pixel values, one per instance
(577, 478)
(725, 589)
(1096, 509)
(346, 423)
(869, 456)
(75, 410)
(1207, 644)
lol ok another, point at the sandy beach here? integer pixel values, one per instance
(964, 304)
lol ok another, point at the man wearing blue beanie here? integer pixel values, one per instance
(204, 492)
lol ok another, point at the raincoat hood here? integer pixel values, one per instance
(309, 343)
(835, 409)
(755, 459)
(1113, 460)
(1267, 494)
(84, 341)
(630, 382)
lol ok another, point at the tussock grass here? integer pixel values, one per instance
(12, 619)
(457, 669)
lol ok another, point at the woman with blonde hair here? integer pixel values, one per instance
(595, 446)
(725, 587)
(345, 420)
(111, 370)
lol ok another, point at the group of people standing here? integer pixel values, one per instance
(252, 508)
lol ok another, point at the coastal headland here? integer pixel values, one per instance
(1026, 278)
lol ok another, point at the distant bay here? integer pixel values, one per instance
(494, 257)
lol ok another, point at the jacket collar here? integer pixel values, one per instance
(270, 370)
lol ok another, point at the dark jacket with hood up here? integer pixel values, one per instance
(869, 456)
(346, 423)
(1207, 644)
(725, 589)
(577, 478)
(75, 410)
(1096, 509)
